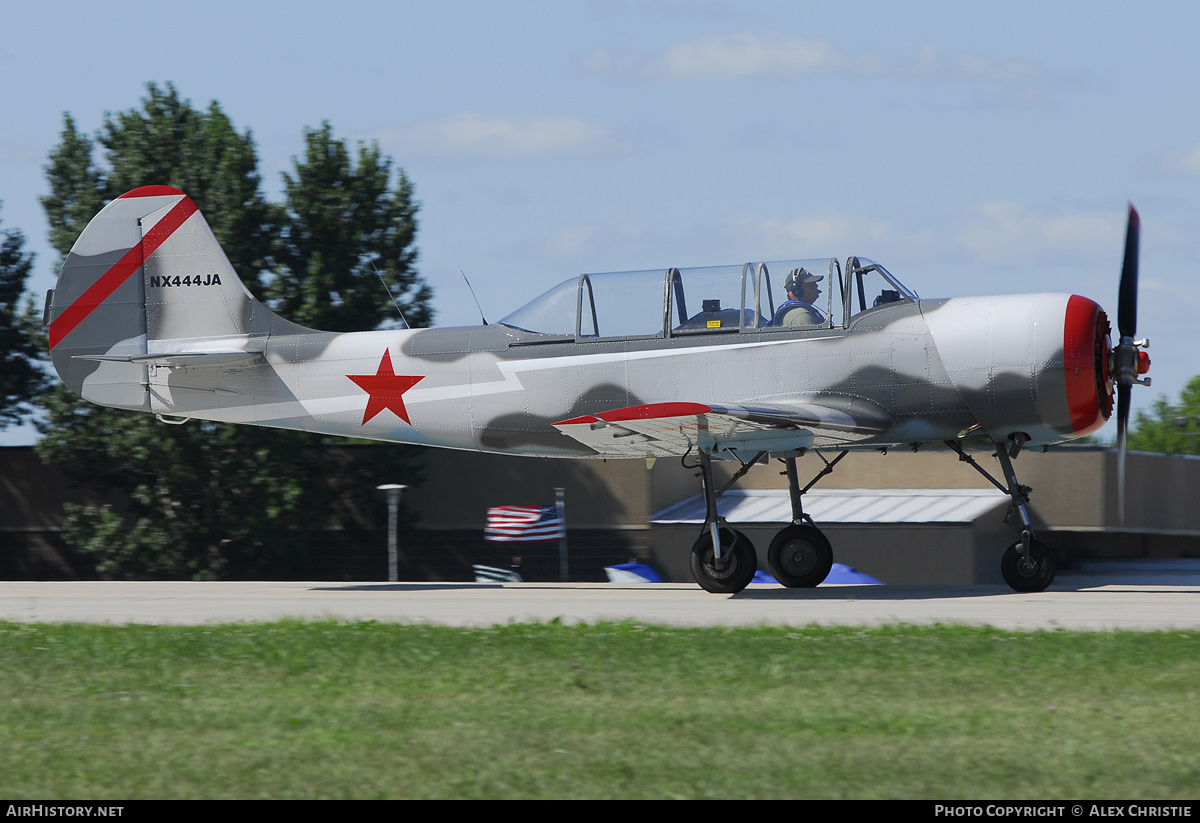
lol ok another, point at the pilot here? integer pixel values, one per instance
(802, 292)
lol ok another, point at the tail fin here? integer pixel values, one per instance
(145, 282)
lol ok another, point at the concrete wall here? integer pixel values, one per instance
(460, 487)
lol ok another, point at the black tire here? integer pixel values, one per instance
(800, 557)
(738, 571)
(1034, 577)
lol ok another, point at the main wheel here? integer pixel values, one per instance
(800, 557)
(738, 564)
(1033, 575)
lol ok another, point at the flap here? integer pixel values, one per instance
(666, 429)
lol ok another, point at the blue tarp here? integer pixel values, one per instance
(632, 573)
(839, 575)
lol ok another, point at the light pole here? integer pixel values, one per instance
(393, 496)
(563, 573)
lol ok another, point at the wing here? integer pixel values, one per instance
(666, 429)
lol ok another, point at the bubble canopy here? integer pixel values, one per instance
(742, 298)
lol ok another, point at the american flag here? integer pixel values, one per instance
(524, 524)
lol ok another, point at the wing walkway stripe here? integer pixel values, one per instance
(112, 279)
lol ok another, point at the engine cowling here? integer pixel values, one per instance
(1087, 349)
(1034, 365)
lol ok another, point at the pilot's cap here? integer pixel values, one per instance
(799, 276)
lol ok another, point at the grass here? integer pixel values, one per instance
(370, 710)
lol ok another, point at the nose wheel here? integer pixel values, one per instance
(1028, 574)
(800, 557)
(1023, 571)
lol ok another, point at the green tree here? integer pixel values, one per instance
(200, 500)
(165, 142)
(21, 378)
(203, 499)
(1160, 431)
(77, 188)
(344, 226)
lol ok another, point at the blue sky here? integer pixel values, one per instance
(970, 148)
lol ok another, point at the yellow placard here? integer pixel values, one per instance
(714, 324)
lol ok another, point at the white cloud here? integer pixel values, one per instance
(717, 56)
(568, 243)
(992, 233)
(686, 8)
(588, 244)
(1008, 233)
(747, 55)
(1185, 161)
(971, 68)
(480, 136)
(828, 232)
(1191, 160)
(733, 56)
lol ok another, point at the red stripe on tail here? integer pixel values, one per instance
(112, 279)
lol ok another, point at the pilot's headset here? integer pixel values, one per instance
(797, 277)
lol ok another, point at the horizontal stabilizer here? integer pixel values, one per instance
(211, 358)
(239, 350)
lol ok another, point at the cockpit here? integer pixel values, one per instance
(768, 297)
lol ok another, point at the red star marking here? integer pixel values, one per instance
(385, 390)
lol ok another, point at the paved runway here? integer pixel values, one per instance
(1086, 607)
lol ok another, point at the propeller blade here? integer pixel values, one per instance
(1123, 392)
(1127, 298)
(1125, 354)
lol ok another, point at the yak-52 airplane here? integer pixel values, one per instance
(149, 315)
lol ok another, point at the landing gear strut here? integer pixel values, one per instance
(800, 556)
(724, 560)
(1028, 565)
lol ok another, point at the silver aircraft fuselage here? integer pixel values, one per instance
(149, 315)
